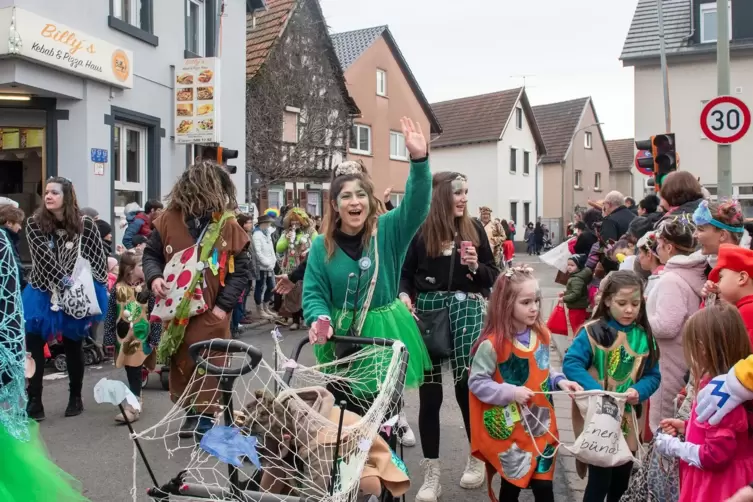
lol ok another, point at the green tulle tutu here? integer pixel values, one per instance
(28, 475)
(393, 321)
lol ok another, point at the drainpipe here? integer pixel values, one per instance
(562, 214)
(692, 24)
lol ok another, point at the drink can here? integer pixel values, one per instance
(322, 328)
(464, 245)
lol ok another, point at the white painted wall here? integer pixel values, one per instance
(516, 186)
(691, 83)
(479, 163)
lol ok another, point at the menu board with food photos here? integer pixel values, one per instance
(197, 89)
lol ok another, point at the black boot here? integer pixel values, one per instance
(35, 409)
(75, 406)
(189, 425)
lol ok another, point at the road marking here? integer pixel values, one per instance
(55, 376)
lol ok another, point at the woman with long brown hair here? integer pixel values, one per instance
(54, 300)
(198, 224)
(449, 265)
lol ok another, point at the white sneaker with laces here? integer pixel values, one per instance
(407, 437)
(474, 474)
(431, 490)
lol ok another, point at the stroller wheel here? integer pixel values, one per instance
(60, 363)
(89, 357)
(164, 378)
(144, 377)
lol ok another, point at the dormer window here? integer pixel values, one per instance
(709, 23)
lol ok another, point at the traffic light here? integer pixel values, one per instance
(665, 157)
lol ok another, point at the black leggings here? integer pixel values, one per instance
(609, 482)
(430, 402)
(74, 357)
(133, 373)
(543, 491)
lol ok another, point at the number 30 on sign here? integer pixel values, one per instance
(725, 119)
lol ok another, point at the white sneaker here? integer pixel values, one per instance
(269, 311)
(474, 474)
(431, 490)
(407, 437)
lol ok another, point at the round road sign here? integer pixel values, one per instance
(725, 119)
(644, 154)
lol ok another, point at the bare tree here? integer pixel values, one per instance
(297, 73)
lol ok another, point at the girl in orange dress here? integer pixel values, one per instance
(513, 427)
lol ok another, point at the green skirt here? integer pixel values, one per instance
(27, 474)
(394, 322)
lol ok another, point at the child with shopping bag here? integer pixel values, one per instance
(615, 352)
(715, 460)
(513, 427)
(570, 314)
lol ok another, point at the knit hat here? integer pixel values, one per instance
(579, 260)
(639, 227)
(138, 240)
(103, 227)
(734, 258)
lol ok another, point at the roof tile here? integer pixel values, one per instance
(351, 44)
(260, 38)
(557, 123)
(622, 153)
(474, 119)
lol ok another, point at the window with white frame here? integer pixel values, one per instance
(396, 198)
(588, 140)
(196, 27)
(513, 211)
(597, 181)
(360, 139)
(578, 178)
(519, 118)
(526, 162)
(129, 11)
(381, 82)
(397, 146)
(709, 22)
(274, 198)
(129, 161)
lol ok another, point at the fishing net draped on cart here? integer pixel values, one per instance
(279, 432)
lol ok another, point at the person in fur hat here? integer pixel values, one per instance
(297, 235)
(494, 232)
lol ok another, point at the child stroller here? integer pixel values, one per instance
(55, 353)
(334, 479)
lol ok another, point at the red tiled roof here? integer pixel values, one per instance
(474, 119)
(622, 153)
(261, 38)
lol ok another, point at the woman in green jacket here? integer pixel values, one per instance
(351, 255)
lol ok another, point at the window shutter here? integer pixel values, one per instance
(325, 202)
(302, 199)
(289, 199)
(263, 200)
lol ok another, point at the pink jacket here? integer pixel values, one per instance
(675, 296)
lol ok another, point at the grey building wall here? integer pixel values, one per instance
(89, 102)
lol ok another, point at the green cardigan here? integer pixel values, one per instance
(325, 284)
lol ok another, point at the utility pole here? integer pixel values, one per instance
(664, 76)
(724, 152)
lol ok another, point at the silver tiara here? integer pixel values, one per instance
(348, 167)
(460, 177)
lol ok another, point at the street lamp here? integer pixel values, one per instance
(572, 185)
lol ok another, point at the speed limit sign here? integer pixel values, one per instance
(725, 119)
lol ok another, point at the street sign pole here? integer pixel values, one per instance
(724, 151)
(664, 75)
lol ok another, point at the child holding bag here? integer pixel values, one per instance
(127, 326)
(616, 352)
(509, 374)
(716, 460)
(575, 296)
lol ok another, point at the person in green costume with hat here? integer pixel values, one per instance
(353, 268)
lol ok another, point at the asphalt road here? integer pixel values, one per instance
(100, 454)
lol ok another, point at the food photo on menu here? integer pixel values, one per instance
(205, 93)
(186, 110)
(184, 79)
(206, 76)
(184, 127)
(206, 125)
(185, 94)
(205, 109)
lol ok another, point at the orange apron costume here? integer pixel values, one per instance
(498, 434)
(205, 326)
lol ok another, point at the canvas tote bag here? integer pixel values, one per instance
(601, 443)
(80, 300)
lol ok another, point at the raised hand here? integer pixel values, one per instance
(415, 141)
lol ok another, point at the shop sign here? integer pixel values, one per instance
(66, 48)
(99, 155)
(197, 101)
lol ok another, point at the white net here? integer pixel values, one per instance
(281, 431)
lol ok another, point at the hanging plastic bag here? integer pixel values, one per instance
(80, 300)
(602, 442)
